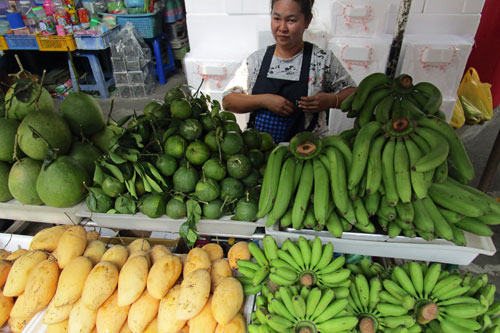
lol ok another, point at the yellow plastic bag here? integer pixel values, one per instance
(458, 117)
(477, 93)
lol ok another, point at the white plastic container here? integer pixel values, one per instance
(358, 18)
(228, 6)
(14, 210)
(444, 6)
(400, 247)
(473, 6)
(448, 106)
(222, 227)
(362, 56)
(222, 34)
(13, 242)
(440, 59)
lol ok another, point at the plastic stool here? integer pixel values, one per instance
(102, 81)
(163, 68)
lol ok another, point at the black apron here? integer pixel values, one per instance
(291, 90)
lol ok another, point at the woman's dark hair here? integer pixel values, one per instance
(305, 6)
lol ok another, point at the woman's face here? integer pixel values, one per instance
(288, 23)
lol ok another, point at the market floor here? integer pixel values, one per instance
(478, 140)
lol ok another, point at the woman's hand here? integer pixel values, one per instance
(319, 102)
(278, 104)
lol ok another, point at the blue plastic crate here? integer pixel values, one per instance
(96, 42)
(21, 42)
(147, 25)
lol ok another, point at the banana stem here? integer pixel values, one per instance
(427, 313)
(367, 325)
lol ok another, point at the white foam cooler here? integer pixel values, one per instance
(359, 18)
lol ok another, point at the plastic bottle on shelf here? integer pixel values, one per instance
(48, 8)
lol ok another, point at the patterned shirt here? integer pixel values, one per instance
(326, 74)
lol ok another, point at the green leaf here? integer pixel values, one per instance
(156, 173)
(123, 120)
(91, 203)
(154, 185)
(192, 236)
(138, 139)
(130, 184)
(114, 170)
(98, 175)
(112, 211)
(215, 108)
(117, 158)
(131, 155)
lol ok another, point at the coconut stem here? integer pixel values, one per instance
(40, 90)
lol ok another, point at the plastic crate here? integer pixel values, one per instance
(96, 42)
(3, 43)
(21, 42)
(147, 25)
(56, 43)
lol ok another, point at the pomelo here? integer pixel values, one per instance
(166, 164)
(107, 137)
(112, 187)
(124, 204)
(4, 182)
(211, 140)
(61, 183)
(231, 189)
(23, 103)
(246, 210)
(8, 130)
(51, 127)
(97, 201)
(180, 109)
(190, 129)
(256, 157)
(86, 154)
(153, 205)
(172, 94)
(231, 126)
(22, 181)
(213, 209)
(226, 115)
(267, 142)
(232, 143)
(83, 114)
(252, 138)
(209, 123)
(252, 179)
(214, 169)
(156, 111)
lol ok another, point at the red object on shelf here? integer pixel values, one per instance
(485, 56)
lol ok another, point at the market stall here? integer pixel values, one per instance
(253, 236)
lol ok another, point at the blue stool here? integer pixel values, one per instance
(163, 68)
(102, 80)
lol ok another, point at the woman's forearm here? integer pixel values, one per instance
(243, 103)
(343, 94)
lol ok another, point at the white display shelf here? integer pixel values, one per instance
(14, 210)
(223, 227)
(377, 245)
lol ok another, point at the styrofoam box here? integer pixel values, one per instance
(448, 106)
(446, 24)
(14, 210)
(232, 35)
(359, 18)
(417, 6)
(439, 59)
(378, 245)
(227, 6)
(444, 6)
(473, 6)
(362, 56)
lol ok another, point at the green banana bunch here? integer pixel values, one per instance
(309, 264)
(302, 309)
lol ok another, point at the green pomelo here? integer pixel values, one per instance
(4, 182)
(207, 190)
(231, 189)
(22, 181)
(180, 109)
(214, 169)
(112, 187)
(232, 143)
(256, 157)
(211, 141)
(213, 209)
(21, 107)
(185, 179)
(85, 154)
(83, 114)
(97, 201)
(175, 146)
(252, 138)
(252, 179)
(171, 95)
(166, 164)
(155, 110)
(238, 166)
(246, 210)
(190, 129)
(231, 126)
(61, 183)
(209, 123)
(176, 208)
(139, 186)
(51, 127)
(8, 130)
(267, 141)
(197, 152)
(153, 205)
(226, 115)
(125, 205)
(106, 138)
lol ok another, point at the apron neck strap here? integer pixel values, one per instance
(306, 61)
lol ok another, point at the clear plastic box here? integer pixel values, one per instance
(133, 65)
(120, 77)
(118, 64)
(125, 91)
